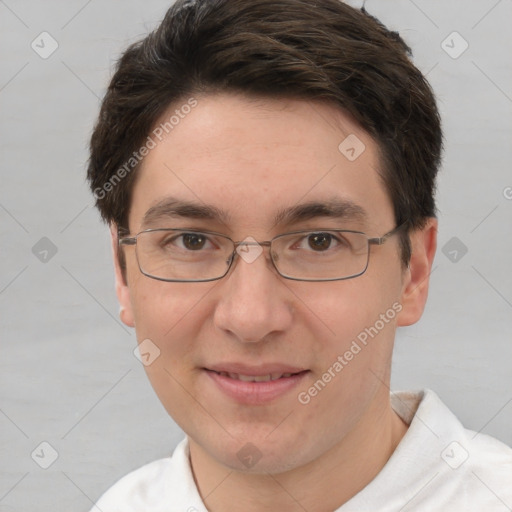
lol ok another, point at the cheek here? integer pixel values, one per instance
(161, 308)
(358, 321)
(343, 309)
(171, 315)
(353, 354)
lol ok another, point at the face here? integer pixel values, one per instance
(251, 160)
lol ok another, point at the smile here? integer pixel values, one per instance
(256, 378)
(255, 386)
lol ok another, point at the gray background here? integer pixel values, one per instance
(68, 373)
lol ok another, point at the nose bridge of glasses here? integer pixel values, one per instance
(249, 250)
(253, 242)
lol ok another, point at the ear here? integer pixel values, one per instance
(122, 290)
(417, 276)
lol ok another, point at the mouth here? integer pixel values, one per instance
(256, 378)
(255, 386)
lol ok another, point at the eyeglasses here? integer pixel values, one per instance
(189, 255)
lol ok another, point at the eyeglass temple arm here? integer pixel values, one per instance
(127, 241)
(383, 238)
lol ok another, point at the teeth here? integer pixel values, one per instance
(255, 378)
(250, 378)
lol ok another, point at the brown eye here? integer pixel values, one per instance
(193, 241)
(320, 241)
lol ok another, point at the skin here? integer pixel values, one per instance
(251, 157)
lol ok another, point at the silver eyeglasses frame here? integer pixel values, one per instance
(132, 240)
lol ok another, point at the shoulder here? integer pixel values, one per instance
(487, 466)
(467, 468)
(136, 490)
(477, 472)
(154, 487)
(439, 465)
(467, 445)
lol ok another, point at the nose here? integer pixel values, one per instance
(253, 301)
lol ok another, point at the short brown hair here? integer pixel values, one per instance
(321, 50)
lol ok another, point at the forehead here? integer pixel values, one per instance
(252, 159)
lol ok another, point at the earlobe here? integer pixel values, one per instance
(126, 317)
(122, 290)
(417, 275)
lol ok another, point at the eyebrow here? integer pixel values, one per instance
(335, 208)
(178, 208)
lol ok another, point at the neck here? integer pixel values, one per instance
(322, 485)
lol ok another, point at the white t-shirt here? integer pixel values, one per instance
(438, 466)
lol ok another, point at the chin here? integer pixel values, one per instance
(257, 451)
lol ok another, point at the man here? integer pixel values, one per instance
(267, 169)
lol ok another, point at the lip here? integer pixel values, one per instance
(255, 393)
(259, 370)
